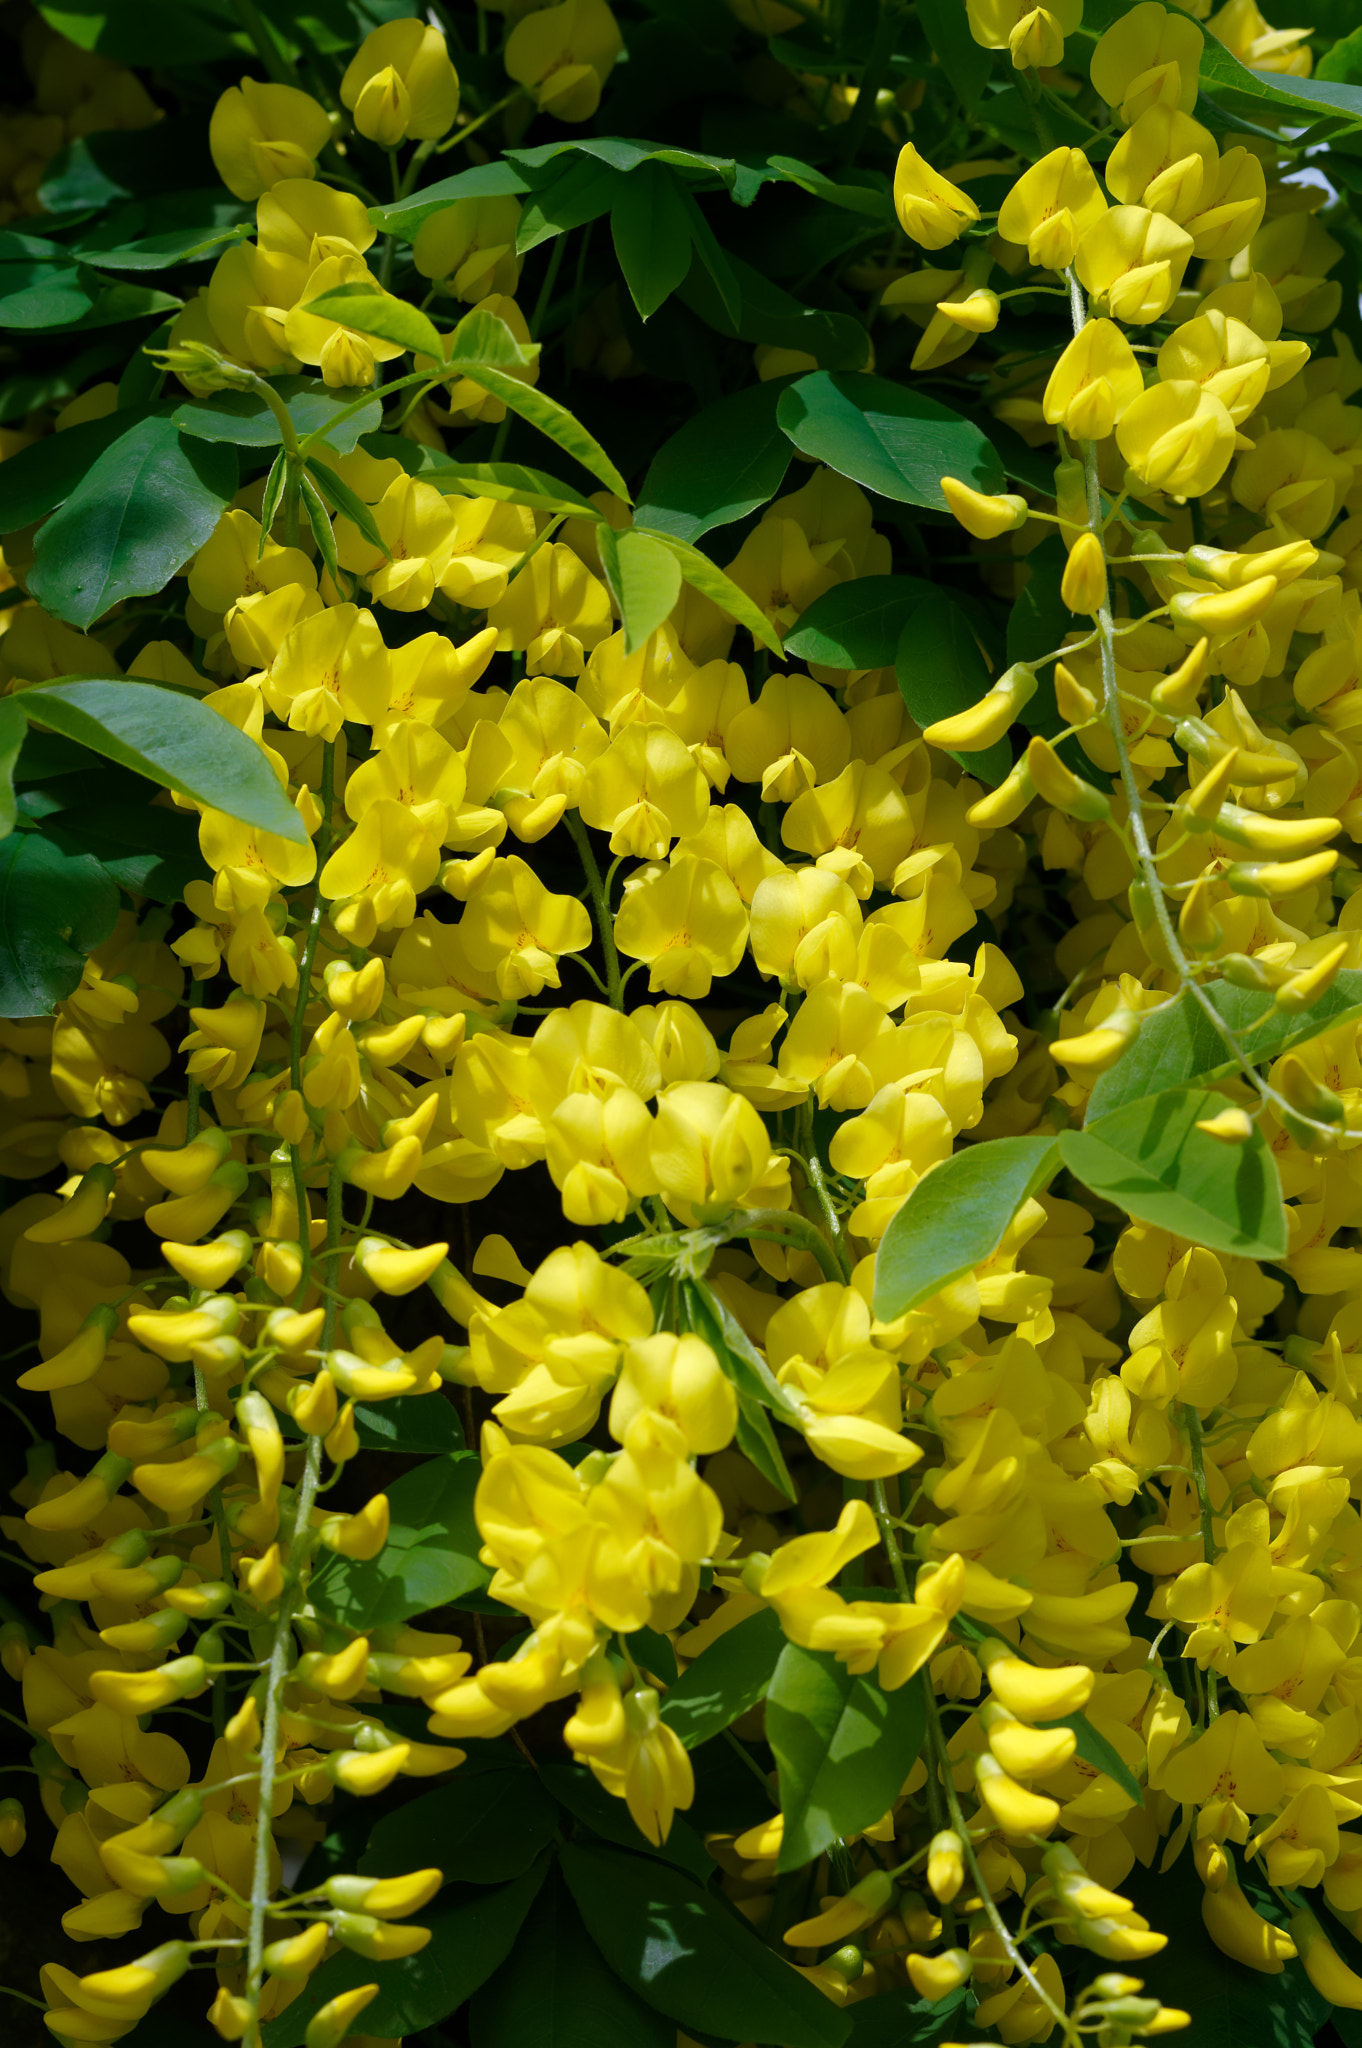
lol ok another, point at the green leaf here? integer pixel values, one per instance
(54, 909)
(568, 1998)
(857, 624)
(245, 418)
(726, 1679)
(900, 2019)
(960, 57)
(689, 1955)
(753, 1381)
(941, 670)
(843, 1747)
(873, 199)
(482, 1826)
(409, 1422)
(889, 437)
(581, 191)
(652, 235)
(431, 1556)
(1150, 1160)
(644, 579)
(1264, 92)
(370, 311)
(41, 476)
(40, 286)
(1178, 1042)
(551, 419)
(1342, 65)
(712, 583)
(171, 739)
(587, 1800)
(718, 467)
(165, 252)
(956, 1217)
(13, 731)
(484, 181)
(472, 1931)
(766, 312)
(148, 504)
(1094, 1749)
(150, 850)
(320, 525)
(511, 482)
(711, 254)
(483, 337)
(337, 493)
(622, 154)
(152, 33)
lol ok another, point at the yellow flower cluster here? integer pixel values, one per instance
(699, 938)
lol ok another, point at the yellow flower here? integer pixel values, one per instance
(687, 920)
(1164, 161)
(711, 1154)
(555, 611)
(344, 356)
(400, 83)
(645, 790)
(260, 134)
(1177, 437)
(517, 929)
(931, 210)
(1150, 57)
(329, 668)
(1035, 35)
(1051, 206)
(468, 249)
(388, 860)
(1131, 262)
(563, 56)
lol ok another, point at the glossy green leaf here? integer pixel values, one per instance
(1342, 65)
(483, 181)
(1178, 1042)
(1094, 1749)
(13, 731)
(622, 154)
(890, 437)
(956, 1217)
(334, 491)
(644, 579)
(560, 1993)
(1225, 78)
(55, 908)
(148, 849)
(843, 1747)
(149, 502)
(482, 1826)
(40, 285)
(712, 583)
(472, 1931)
(247, 419)
(688, 1954)
(718, 467)
(586, 1799)
(409, 1422)
(553, 420)
(651, 230)
(581, 191)
(370, 311)
(166, 252)
(872, 198)
(430, 1558)
(726, 1679)
(171, 739)
(767, 312)
(941, 670)
(858, 624)
(1150, 1160)
(41, 476)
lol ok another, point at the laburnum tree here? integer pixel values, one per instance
(680, 1061)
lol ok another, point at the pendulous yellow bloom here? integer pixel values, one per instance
(400, 83)
(931, 210)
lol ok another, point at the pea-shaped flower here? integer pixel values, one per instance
(563, 56)
(1132, 261)
(1095, 380)
(400, 83)
(1150, 56)
(259, 134)
(1051, 206)
(1034, 35)
(1177, 437)
(931, 210)
(468, 249)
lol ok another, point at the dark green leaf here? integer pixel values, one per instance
(622, 154)
(843, 1747)
(857, 624)
(54, 909)
(587, 1800)
(956, 1217)
(370, 311)
(41, 291)
(1267, 92)
(320, 525)
(245, 418)
(151, 33)
(551, 419)
(872, 199)
(149, 503)
(39, 477)
(766, 312)
(1094, 1749)
(889, 437)
(941, 670)
(270, 500)
(753, 1382)
(644, 579)
(472, 1931)
(431, 1556)
(164, 252)
(726, 1679)
(481, 1827)
(653, 1652)
(171, 739)
(690, 1956)
(1150, 1160)
(115, 303)
(1178, 1042)
(900, 2019)
(559, 1993)
(13, 731)
(581, 191)
(409, 1422)
(711, 254)
(1342, 65)
(511, 482)
(651, 230)
(960, 57)
(147, 849)
(721, 465)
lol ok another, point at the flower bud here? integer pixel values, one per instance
(329, 2026)
(983, 516)
(1059, 786)
(1083, 586)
